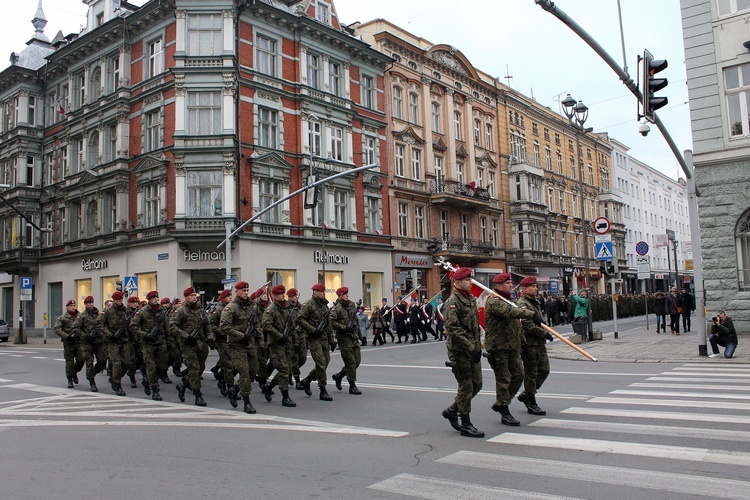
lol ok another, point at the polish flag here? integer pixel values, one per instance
(60, 107)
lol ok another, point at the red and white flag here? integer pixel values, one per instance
(59, 106)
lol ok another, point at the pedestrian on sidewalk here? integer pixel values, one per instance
(674, 309)
(660, 309)
(688, 306)
(722, 334)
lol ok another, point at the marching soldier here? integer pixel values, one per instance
(258, 297)
(415, 320)
(344, 322)
(278, 329)
(399, 318)
(503, 340)
(136, 352)
(299, 343)
(190, 327)
(223, 370)
(115, 323)
(174, 357)
(150, 326)
(535, 360)
(240, 322)
(314, 321)
(464, 351)
(86, 325)
(72, 348)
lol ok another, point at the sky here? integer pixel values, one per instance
(515, 38)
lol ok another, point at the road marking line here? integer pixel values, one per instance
(443, 367)
(452, 390)
(39, 357)
(433, 488)
(728, 457)
(672, 402)
(679, 394)
(708, 375)
(701, 387)
(711, 369)
(699, 379)
(620, 476)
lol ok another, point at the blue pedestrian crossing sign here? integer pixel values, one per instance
(131, 284)
(603, 250)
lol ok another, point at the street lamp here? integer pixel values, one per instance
(577, 114)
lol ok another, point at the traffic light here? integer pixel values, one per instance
(649, 68)
(608, 268)
(118, 286)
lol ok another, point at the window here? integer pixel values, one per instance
(322, 13)
(373, 217)
(494, 233)
(416, 164)
(403, 220)
(335, 78)
(488, 136)
(96, 84)
(313, 70)
(551, 200)
(464, 227)
(553, 241)
(400, 153)
(444, 225)
(75, 220)
(265, 54)
(537, 154)
(337, 144)
(591, 174)
(557, 139)
(460, 173)
(268, 128)
(457, 124)
(63, 162)
(204, 193)
(548, 158)
(559, 162)
(413, 108)
(575, 205)
(341, 209)
(61, 234)
(152, 205)
(109, 212)
(572, 168)
(561, 200)
(48, 239)
(81, 90)
(577, 243)
(491, 184)
(436, 117)
(49, 168)
(368, 151)
(419, 222)
(30, 161)
(100, 19)
(109, 145)
(92, 151)
(113, 69)
(727, 7)
(31, 120)
(270, 193)
(439, 172)
(155, 58)
(477, 133)
(315, 138)
(204, 35)
(368, 92)
(398, 102)
(151, 141)
(204, 113)
(483, 229)
(564, 243)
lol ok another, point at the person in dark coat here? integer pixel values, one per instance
(722, 334)
(660, 309)
(674, 309)
(688, 306)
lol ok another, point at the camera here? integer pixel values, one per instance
(714, 320)
(644, 129)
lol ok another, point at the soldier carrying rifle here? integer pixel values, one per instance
(345, 323)
(115, 323)
(150, 326)
(190, 326)
(86, 327)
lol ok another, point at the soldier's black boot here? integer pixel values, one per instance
(215, 370)
(165, 378)
(337, 377)
(146, 387)
(248, 405)
(268, 389)
(99, 367)
(306, 385)
(199, 401)
(155, 394)
(506, 417)
(467, 429)
(222, 387)
(523, 397)
(298, 384)
(93, 387)
(70, 382)
(286, 400)
(451, 413)
(75, 378)
(532, 407)
(133, 383)
(180, 391)
(353, 388)
(119, 391)
(324, 396)
(232, 393)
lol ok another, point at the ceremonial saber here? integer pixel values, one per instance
(447, 265)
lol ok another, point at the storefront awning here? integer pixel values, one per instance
(539, 277)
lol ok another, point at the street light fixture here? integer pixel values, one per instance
(577, 114)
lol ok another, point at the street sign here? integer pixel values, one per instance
(26, 297)
(162, 256)
(601, 225)
(643, 265)
(603, 250)
(662, 240)
(131, 284)
(688, 264)
(641, 248)
(25, 282)
(601, 238)
(553, 286)
(229, 280)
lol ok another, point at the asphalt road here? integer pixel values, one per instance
(613, 430)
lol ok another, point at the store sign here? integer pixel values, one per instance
(412, 260)
(93, 264)
(330, 258)
(523, 270)
(567, 270)
(189, 256)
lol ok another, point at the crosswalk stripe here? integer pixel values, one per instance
(734, 458)
(38, 357)
(661, 415)
(719, 405)
(710, 374)
(698, 379)
(427, 487)
(620, 476)
(677, 394)
(711, 369)
(452, 390)
(700, 387)
(657, 430)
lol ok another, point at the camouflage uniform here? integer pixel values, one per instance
(462, 328)
(73, 353)
(277, 328)
(242, 352)
(154, 347)
(317, 341)
(186, 320)
(116, 320)
(349, 343)
(136, 353)
(299, 343)
(86, 326)
(535, 360)
(226, 374)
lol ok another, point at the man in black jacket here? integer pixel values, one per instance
(688, 306)
(722, 334)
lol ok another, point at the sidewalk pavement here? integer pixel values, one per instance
(646, 346)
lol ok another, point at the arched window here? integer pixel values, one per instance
(742, 240)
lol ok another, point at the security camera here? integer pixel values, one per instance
(644, 129)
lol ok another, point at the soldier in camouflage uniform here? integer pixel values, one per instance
(299, 343)
(136, 352)
(535, 360)
(315, 322)
(346, 326)
(150, 326)
(86, 326)
(190, 326)
(278, 328)
(464, 351)
(73, 353)
(265, 367)
(174, 357)
(114, 324)
(240, 322)
(503, 340)
(223, 370)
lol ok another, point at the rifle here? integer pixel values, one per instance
(285, 335)
(323, 321)
(250, 330)
(194, 333)
(156, 329)
(123, 326)
(354, 324)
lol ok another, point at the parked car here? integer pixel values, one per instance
(4, 331)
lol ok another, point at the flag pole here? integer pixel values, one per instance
(447, 265)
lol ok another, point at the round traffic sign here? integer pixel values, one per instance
(601, 225)
(641, 248)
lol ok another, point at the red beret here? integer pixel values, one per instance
(71, 302)
(528, 281)
(257, 293)
(188, 291)
(153, 293)
(224, 294)
(165, 300)
(319, 287)
(342, 290)
(133, 299)
(461, 273)
(501, 278)
(292, 292)
(117, 296)
(278, 290)
(88, 299)
(241, 285)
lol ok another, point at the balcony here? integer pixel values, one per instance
(9, 261)
(458, 195)
(461, 250)
(529, 208)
